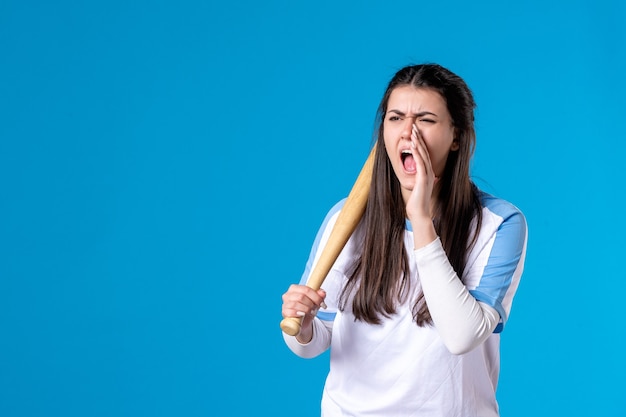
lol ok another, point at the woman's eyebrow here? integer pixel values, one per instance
(415, 115)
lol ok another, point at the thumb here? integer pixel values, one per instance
(322, 294)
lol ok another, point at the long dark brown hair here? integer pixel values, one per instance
(380, 275)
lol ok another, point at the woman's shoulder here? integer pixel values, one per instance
(337, 206)
(331, 215)
(503, 227)
(499, 206)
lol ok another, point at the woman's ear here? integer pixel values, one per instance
(456, 145)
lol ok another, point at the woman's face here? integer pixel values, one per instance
(426, 109)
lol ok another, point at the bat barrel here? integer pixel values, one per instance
(346, 222)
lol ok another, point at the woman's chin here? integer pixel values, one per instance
(407, 185)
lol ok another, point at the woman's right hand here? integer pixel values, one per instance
(304, 302)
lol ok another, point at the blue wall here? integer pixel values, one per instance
(164, 167)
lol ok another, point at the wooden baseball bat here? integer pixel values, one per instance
(348, 218)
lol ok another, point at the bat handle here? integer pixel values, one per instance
(291, 325)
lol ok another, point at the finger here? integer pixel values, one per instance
(296, 310)
(301, 300)
(418, 141)
(300, 311)
(322, 295)
(315, 297)
(423, 149)
(420, 151)
(301, 292)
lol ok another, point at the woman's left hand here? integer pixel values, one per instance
(419, 205)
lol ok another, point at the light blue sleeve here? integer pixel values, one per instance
(505, 263)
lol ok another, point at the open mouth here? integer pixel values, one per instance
(408, 162)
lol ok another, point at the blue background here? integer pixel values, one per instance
(164, 167)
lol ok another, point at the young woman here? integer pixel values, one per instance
(413, 308)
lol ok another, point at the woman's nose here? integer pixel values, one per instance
(407, 128)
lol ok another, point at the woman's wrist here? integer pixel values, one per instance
(423, 232)
(305, 336)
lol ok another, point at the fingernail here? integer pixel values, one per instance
(323, 305)
(300, 313)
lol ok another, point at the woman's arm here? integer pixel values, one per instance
(462, 322)
(317, 345)
(466, 313)
(301, 300)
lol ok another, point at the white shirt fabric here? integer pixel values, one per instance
(399, 369)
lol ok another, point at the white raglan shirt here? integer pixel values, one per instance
(400, 369)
